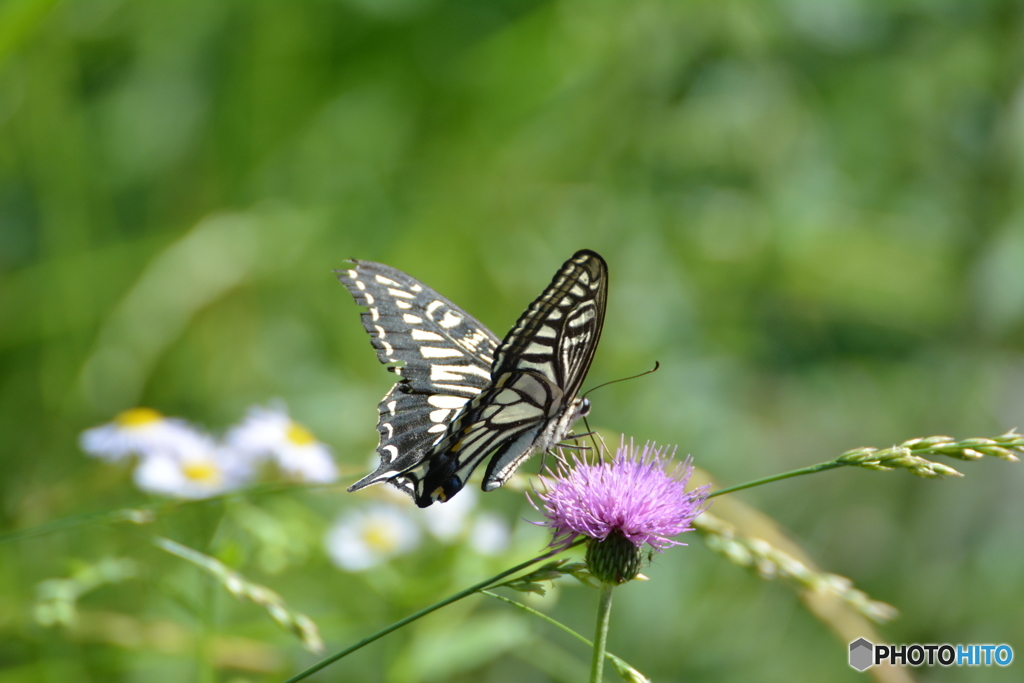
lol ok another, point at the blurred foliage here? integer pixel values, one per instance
(814, 219)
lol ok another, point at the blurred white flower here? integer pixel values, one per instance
(270, 434)
(490, 534)
(459, 519)
(142, 432)
(448, 521)
(361, 539)
(200, 472)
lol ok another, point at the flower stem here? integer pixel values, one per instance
(424, 612)
(617, 661)
(604, 611)
(821, 467)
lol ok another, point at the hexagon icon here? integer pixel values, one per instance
(860, 654)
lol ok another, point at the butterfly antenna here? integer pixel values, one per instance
(598, 449)
(656, 367)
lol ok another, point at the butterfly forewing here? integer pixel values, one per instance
(557, 335)
(531, 402)
(442, 353)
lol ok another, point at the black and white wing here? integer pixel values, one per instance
(530, 403)
(443, 354)
(558, 334)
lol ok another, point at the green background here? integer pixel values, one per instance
(813, 218)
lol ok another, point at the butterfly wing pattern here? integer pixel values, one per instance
(523, 401)
(442, 354)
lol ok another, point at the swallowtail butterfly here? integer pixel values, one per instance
(466, 395)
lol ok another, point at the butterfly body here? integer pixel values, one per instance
(464, 395)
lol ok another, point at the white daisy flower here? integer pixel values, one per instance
(447, 521)
(142, 432)
(201, 472)
(490, 534)
(270, 434)
(364, 538)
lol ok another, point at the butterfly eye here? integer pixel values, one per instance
(584, 408)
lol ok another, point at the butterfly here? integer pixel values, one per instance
(466, 395)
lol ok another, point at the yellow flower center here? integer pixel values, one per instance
(299, 435)
(138, 417)
(205, 472)
(380, 536)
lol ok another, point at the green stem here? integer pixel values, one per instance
(422, 613)
(618, 661)
(147, 512)
(604, 611)
(205, 672)
(821, 467)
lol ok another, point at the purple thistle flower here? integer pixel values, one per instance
(634, 496)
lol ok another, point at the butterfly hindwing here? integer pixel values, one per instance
(442, 353)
